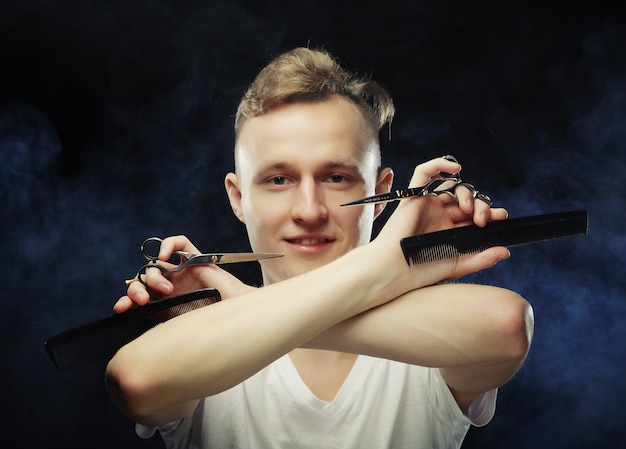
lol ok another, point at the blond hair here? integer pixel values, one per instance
(306, 75)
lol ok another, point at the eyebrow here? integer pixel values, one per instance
(342, 163)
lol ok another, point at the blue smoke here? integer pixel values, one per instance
(115, 125)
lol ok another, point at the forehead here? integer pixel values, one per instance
(331, 131)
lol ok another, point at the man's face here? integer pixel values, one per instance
(296, 165)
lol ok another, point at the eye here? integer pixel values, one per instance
(336, 179)
(278, 180)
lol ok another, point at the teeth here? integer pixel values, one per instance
(309, 241)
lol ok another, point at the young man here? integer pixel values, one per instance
(345, 345)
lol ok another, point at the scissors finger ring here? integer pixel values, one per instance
(475, 193)
(141, 274)
(484, 198)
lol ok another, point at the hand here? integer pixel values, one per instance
(189, 279)
(444, 211)
(429, 213)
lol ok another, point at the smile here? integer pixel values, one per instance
(308, 241)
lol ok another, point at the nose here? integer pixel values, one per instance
(309, 205)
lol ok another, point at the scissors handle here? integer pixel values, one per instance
(141, 273)
(186, 259)
(443, 183)
(435, 186)
(150, 241)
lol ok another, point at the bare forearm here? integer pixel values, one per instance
(478, 335)
(210, 350)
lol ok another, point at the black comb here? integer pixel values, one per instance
(472, 239)
(100, 339)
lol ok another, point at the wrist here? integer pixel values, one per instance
(381, 271)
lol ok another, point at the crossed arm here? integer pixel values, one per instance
(477, 335)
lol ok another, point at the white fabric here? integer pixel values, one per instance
(382, 404)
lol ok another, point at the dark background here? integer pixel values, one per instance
(116, 125)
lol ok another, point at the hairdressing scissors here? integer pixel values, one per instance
(442, 183)
(185, 259)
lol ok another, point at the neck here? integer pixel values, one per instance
(324, 372)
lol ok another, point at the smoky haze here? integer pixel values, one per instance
(116, 125)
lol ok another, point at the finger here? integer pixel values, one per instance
(465, 194)
(122, 304)
(499, 213)
(457, 215)
(481, 216)
(475, 203)
(138, 294)
(482, 213)
(175, 243)
(156, 282)
(425, 171)
(463, 265)
(448, 199)
(483, 260)
(480, 196)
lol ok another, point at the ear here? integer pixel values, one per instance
(231, 183)
(383, 185)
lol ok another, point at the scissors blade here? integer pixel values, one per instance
(231, 257)
(380, 198)
(201, 259)
(389, 196)
(431, 187)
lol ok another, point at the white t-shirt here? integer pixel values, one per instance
(382, 404)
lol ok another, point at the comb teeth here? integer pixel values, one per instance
(455, 242)
(431, 251)
(179, 309)
(101, 339)
(98, 342)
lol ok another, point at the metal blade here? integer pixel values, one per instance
(242, 257)
(380, 198)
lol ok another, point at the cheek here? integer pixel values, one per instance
(361, 223)
(261, 214)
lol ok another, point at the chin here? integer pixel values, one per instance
(288, 270)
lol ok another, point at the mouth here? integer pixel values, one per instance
(308, 241)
